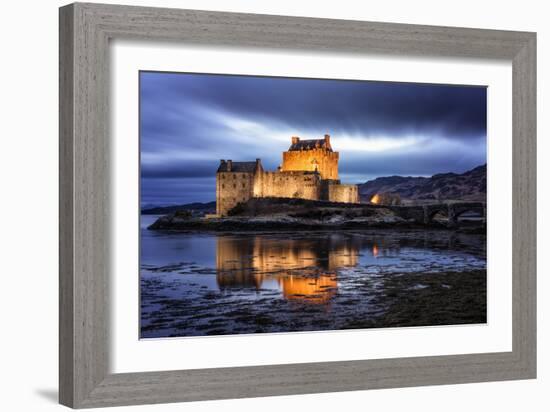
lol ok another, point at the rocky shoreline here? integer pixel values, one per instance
(173, 223)
(299, 214)
(390, 299)
(286, 223)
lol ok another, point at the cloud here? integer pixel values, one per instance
(170, 191)
(188, 122)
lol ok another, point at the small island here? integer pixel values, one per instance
(300, 214)
(306, 194)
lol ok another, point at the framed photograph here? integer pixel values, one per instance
(256, 205)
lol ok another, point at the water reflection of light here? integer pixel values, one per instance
(375, 250)
(312, 290)
(300, 269)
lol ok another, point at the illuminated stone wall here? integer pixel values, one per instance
(303, 185)
(322, 160)
(309, 171)
(232, 188)
(343, 193)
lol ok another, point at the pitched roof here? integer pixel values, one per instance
(238, 167)
(309, 145)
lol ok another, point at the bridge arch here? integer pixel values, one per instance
(458, 209)
(424, 214)
(431, 210)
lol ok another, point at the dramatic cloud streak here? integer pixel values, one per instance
(188, 122)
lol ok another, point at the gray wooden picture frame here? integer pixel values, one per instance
(85, 32)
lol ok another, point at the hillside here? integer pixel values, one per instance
(468, 186)
(197, 207)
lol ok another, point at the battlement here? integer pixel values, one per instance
(310, 144)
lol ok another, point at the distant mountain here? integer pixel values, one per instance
(470, 186)
(199, 208)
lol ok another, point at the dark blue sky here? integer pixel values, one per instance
(190, 121)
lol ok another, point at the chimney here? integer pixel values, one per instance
(229, 165)
(327, 145)
(258, 164)
(295, 139)
(222, 161)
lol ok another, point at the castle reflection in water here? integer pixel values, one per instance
(302, 269)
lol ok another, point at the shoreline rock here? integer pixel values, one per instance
(299, 214)
(173, 223)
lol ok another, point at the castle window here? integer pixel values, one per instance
(234, 185)
(244, 185)
(234, 176)
(223, 186)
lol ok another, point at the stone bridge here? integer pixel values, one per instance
(425, 213)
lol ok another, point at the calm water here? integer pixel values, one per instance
(212, 284)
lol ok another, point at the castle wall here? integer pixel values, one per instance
(343, 193)
(309, 171)
(325, 183)
(287, 184)
(325, 162)
(231, 189)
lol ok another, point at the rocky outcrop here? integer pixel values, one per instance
(196, 208)
(260, 214)
(287, 214)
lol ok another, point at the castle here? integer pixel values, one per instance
(309, 171)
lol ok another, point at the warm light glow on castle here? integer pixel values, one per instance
(309, 171)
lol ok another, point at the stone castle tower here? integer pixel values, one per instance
(309, 171)
(311, 155)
